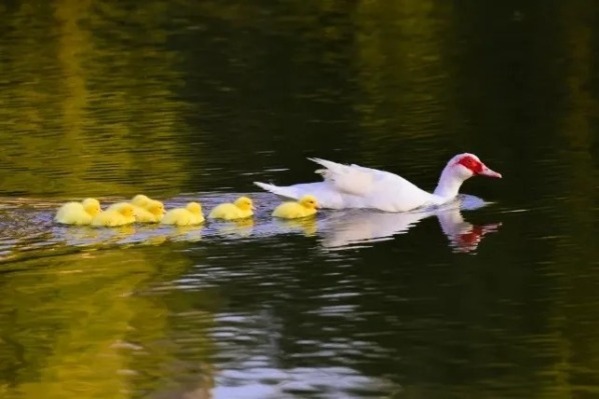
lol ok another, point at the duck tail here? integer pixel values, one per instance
(287, 192)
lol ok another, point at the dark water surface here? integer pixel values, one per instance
(186, 100)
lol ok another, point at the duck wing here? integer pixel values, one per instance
(354, 186)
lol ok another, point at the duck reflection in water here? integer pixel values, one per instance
(346, 229)
(236, 228)
(463, 236)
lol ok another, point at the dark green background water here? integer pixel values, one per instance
(196, 99)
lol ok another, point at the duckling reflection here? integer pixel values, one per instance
(116, 234)
(238, 227)
(189, 233)
(87, 236)
(155, 240)
(186, 233)
(345, 229)
(307, 226)
(122, 232)
(78, 236)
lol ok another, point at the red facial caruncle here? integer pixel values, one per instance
(471, 163)
(476, 166)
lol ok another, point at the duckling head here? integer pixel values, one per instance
(309, 201)
(91, 206)
(244, 203)
(194, 207)
(156, 207)
(127, 210)
(140, 200)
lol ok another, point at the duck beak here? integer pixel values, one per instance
(489, 172)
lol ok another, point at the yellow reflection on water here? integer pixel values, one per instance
(77, 326)
(238, 228)
(308, 226)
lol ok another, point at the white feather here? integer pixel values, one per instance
(354, 186)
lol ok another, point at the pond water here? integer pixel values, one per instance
(495, 296)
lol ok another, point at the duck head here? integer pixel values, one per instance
(91, 206)
(156, 208)
(194, 207)
(244, 203)
(127, 210)
(460, 168)
(468, 165)
(309, 201)
(140, 200)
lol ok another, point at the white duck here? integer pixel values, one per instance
(353, 186)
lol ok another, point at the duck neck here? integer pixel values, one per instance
(449, 184)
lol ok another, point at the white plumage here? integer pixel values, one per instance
(353, 186)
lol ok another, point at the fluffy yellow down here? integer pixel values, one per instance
(78, 213)
(188, 216)
(151, 211)
(120, 214)
(306, 206)
(242, 208)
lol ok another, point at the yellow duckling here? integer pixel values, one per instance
(141, 200)
(118, 215)
(306, 206)
(190, 215)
(78, 213)
(152, 212)
(146, 210)
(242, 208)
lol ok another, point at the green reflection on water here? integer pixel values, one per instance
(91, 109)
(91, 105)
(401, 47)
